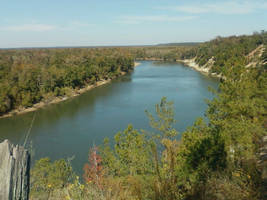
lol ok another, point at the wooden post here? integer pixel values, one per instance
(14, 172)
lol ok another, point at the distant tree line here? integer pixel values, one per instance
(165, 53)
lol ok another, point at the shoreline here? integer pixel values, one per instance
(55, 100)
(204, 70)
(151, 59)
(18, 111)
(191, 63)
(136, 64)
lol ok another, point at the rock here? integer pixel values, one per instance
(14, 172)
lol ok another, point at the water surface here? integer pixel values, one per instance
(71, 127)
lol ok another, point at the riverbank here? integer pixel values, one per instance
(55, 100)
(205, 69)
(136, 64)
(188, 62)
(191, 63)
(152, 59)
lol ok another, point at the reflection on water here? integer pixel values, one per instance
(71, 127)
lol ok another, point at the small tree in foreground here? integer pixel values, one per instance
(93, 171)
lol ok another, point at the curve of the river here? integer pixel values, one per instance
(71, 127)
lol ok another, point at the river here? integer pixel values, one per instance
(71, 127)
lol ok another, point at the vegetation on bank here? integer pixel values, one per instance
(230, 51)
(164, 53)
(33, 75)
(213, 160)
(220, 52)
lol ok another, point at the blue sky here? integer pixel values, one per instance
(36, 23)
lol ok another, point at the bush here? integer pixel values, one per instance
(47, 176)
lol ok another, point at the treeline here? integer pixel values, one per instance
(32, 75)
(229, 51)
(165, 53)
(222, 51)
(214, 159)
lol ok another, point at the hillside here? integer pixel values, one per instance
(230, 51)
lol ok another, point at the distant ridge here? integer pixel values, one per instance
(180, 44)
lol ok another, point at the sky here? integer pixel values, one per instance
(50, 23)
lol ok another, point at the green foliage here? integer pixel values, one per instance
(215, 158)
(202, 151)
(29, 76)
(166, 53)
(48, 176)
(165, 119)
(131, 154)
(5, 101)
(136, 162)
(229, 51)
(238, 112)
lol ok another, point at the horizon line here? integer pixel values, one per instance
(105, 46)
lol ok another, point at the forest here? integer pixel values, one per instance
(28, 76)
(223, 51)
(231, 51)
(216, 158)
(164, 53)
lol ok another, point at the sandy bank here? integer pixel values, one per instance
(136, 64)
(55, 100)
(190, 63)
(204, 69)
(194, 65)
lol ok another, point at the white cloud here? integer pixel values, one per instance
(152, 18)
(29, 27)
(227, 7)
